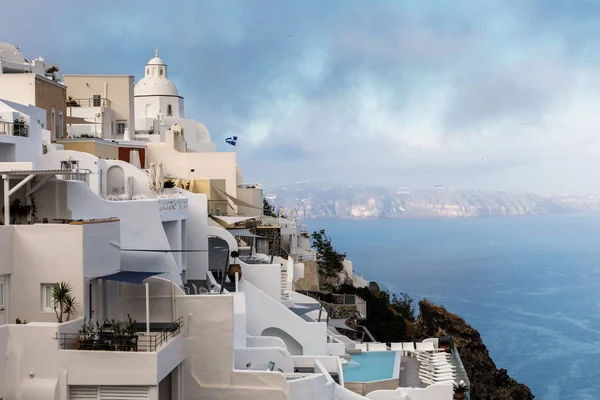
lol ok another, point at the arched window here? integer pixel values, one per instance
(161, 72)
(169, 110)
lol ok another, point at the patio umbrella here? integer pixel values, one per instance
(134, 158)
(160, 177)
(152, 182)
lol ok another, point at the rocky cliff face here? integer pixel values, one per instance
(487, 382)
(309, 200)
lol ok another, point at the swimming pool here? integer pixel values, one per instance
(372, 366)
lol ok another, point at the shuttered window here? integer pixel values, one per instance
(108, 393)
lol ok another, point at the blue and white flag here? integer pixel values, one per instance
(231, 140)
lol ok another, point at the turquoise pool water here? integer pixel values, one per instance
(372, 366)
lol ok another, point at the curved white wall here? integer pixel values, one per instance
(260, 357)
(86, 161)
(141, 224)
(264, 312)
(265, 341)
(196, 235)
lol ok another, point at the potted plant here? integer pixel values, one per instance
(233, 268)
(87, 336)
(460, 389)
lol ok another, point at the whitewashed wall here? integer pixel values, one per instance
(265, 314)
(141, 224)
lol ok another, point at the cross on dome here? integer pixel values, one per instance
(156, 52)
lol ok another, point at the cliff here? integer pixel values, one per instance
(312, 200)
(487, 382)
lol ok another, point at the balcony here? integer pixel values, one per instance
(220, 208)
(17, 128)
(249, 186)
(90, 102)
(131, 358)
(114, 338)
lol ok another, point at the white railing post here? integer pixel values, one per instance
(147, 309)
(237, 280)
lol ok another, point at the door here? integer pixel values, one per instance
(3, 296)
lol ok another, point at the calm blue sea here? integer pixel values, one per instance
(530, 285)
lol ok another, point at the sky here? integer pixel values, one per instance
(495, 94)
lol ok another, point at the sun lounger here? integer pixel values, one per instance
(376, 347)
(427, 346)
(360, 346)
(428, 381)
(396, 346)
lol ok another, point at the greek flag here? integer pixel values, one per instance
(231, 140)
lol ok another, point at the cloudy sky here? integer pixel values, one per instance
(397, 93)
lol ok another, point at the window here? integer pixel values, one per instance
(169, 110)
(161, 72)
(97, 100)
(53, 124)
(60, 124)
(47, 305)
(121, 125)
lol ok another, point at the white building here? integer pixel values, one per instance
(167, 322)
(12, 61)
(158, 105)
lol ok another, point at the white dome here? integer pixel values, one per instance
(10, 53)
(155, 86)
(155, 81)
(156, 61)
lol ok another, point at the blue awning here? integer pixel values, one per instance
(130, 276)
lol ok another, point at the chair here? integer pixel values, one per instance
(360, 346)
(408, 347)
(396, 346)
(376, 347)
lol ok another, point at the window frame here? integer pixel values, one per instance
(169, 110)
(124, 125)
(46, 293)
(53, 122)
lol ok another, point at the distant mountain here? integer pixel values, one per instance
(312, 200)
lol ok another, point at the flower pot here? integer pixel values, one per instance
(233, 268)
(459, 395)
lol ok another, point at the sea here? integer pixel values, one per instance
(529, 284)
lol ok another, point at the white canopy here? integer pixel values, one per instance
(231, 220)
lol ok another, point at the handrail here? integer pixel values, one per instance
(20, 128)
(460, 368)
(89, 102)
(108, 341)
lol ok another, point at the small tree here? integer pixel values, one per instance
(329, 261)
(63, 301)
(403, 304)
(268, 209)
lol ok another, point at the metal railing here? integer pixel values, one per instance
(89, 102)
(460, 368)
(249, 186)
(14, 129)
(306, 257)
(108, 340)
